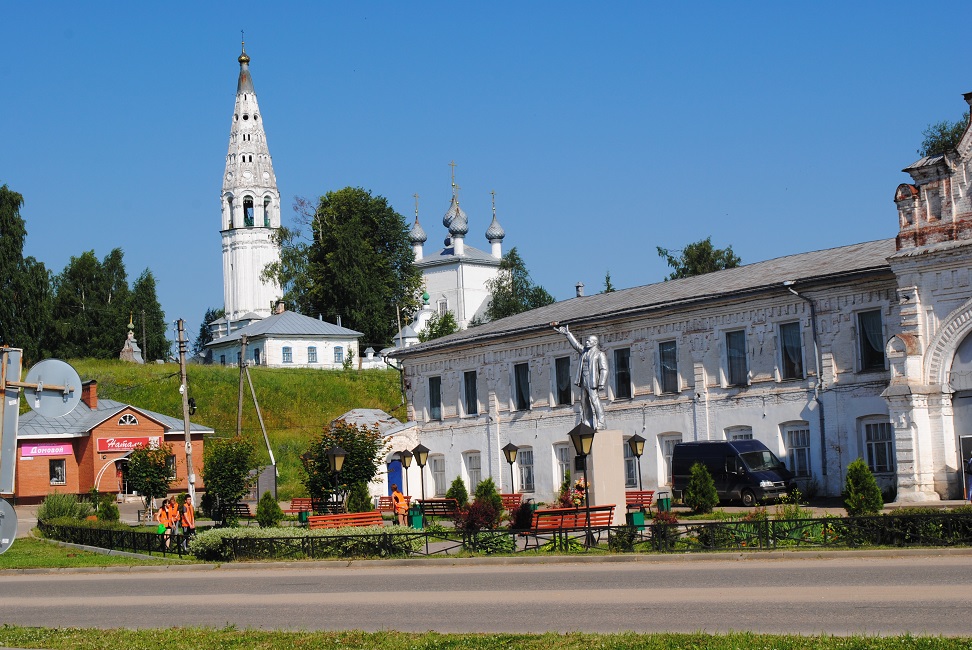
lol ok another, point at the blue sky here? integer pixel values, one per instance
(605, 129)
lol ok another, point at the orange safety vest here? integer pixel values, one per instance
(188, 515)
(399, 500)
(162, 516)
(173, 514)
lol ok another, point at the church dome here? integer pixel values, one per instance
(459, 225)
(495, 231)
(417, 233)
(453, 213)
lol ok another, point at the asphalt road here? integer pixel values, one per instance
(853, 594)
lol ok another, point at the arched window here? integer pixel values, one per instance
(248, 211)
(229, 212)
(128, 420)
(266, 212)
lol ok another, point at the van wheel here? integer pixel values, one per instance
(748, 498)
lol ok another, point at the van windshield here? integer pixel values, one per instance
(761, 461)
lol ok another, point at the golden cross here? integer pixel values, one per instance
(492, 193)
(416, 206)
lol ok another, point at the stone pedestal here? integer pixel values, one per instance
(605, 471)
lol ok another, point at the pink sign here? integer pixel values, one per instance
(28, 450)
(121, 444)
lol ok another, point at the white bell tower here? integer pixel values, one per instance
(251, 208)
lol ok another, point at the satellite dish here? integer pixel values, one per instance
(58, 388)
(8, 525)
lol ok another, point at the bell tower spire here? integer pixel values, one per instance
(250, 207)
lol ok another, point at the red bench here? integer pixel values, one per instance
(385, 504)
(300, 504)
(639, 499)
(559, 522)
(439, 507)
(511, 501)
(344, 519)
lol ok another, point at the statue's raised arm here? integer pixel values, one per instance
(563, 329)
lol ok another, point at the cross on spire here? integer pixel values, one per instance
(416, 207)
(455, 188)
(492, 193)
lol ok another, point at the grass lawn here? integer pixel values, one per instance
(29, 553)
(202, 639)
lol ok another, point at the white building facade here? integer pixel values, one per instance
(250, 208)
(855, 352)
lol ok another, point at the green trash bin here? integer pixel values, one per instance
(664, 502)
(302, 517)
(415, 517)
(635, 518)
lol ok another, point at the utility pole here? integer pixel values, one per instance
(184, 389)
(239, 403)
(145, 356)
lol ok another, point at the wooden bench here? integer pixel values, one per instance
(300, 504)
(639, 499)
(559, 522)
(439, 507)
(511, 501)
(385, 504)
(372, 518)
(242, 511)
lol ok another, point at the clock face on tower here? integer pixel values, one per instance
(247, 175)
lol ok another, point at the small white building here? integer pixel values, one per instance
(288, 340)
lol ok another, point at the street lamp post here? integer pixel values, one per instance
(637, 446)
(421, 453)
(510, 452)
(406, 457)
(335, 460)
(582, 437)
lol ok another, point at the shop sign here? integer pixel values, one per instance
(28, 450)
(126, 443)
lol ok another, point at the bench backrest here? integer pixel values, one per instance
(372, 518)
(241, 509)
(639, 498)
(511, 501)
(572, 518)
(439, 507)
(301, 503)
(385, 504)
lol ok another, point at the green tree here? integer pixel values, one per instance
(226, 468)
(24, 283)
(359, 500)
(698, 258)
(144, 303)
(942, 136)
(90, 307)
(205, 335)
(268, 512)
(512, 290)
(862, 496)
(458, 492)
(358, 264)
(608, 286)
(363, 446)
(438, 326)
(700, 491)
(148, 472)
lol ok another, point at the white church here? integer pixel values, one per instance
(455, 276)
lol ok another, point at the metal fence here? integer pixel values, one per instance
(925, 530)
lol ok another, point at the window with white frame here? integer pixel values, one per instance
(128, 420)
(562, 388)
(311, 354)
(562, 461)
(338, 354)
(630, 466)
(878, 444)
(437, 465)
(739, 433)
(58, 471)
(256, 356)
(737, 369)
(443, 307)
(668, 366)
(870, 340)
(791, 351)
(666, 444)
(473, 470)
(170, 465)
(288, 354)
(521, 386)
(470, 392)
(524, 459)
(797, 440)
(622, 373)
(435, 398)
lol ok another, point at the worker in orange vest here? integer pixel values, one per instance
(165, 522)
(187, 517)
(401, 506)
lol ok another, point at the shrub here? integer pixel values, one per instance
(862, 496)
(478, 515)
(359, 500)
(104, 505)
(458, 492)
(521, 517)
(622, 539)
(268, 543)
(58, 505)
(268, 512)
(226, 465)
(489, 542)
(700, 492)
(486, 493)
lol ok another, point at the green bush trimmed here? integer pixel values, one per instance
(862, 496)
(59, 505)
(458, 492)
(700, 492)
(268, 512)
(367, 541)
